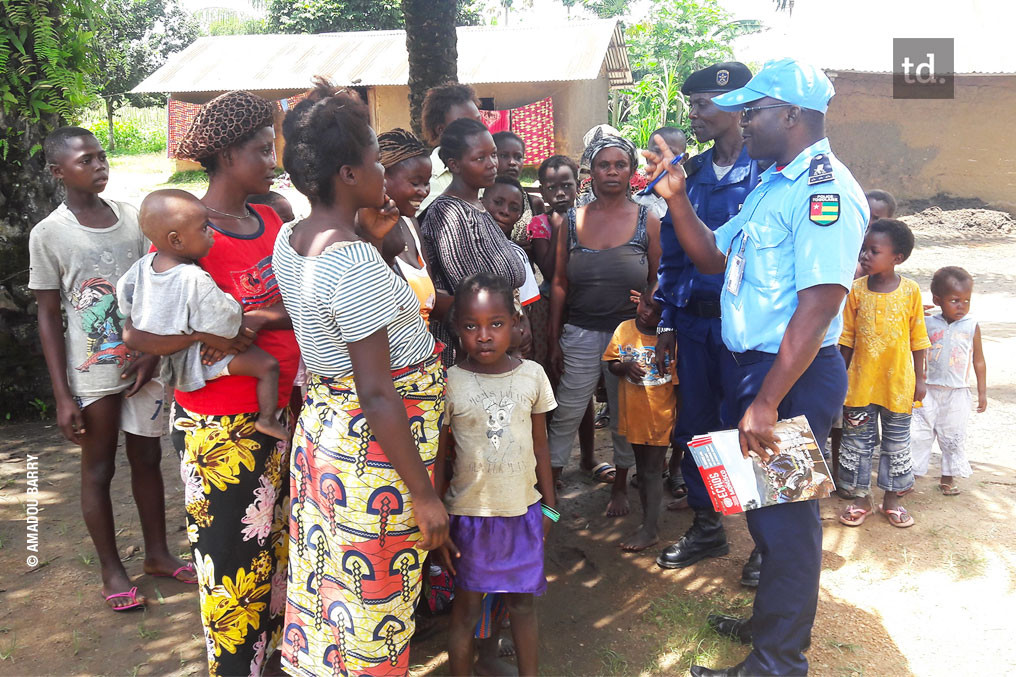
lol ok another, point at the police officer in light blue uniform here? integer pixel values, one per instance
(788, 260)
(718, 183)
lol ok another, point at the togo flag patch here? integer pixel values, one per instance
(825, 209)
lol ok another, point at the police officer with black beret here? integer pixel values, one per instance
(718, 182)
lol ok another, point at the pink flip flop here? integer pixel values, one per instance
(854, 515)
(899, 517)
(131, 594)
(189, 567)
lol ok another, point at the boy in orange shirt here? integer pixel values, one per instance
(647, 408)
(884, 341)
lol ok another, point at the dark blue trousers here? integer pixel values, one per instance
(789, 535)
(705, 370)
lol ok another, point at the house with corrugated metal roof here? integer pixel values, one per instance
(549, 82)
(918, 149)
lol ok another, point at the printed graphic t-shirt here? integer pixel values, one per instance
(647, 409)
(491, 419)
(242, 267)
(84, 264)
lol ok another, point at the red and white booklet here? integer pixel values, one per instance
(735, 483)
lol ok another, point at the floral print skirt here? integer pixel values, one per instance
(355, 570)
(236, 484)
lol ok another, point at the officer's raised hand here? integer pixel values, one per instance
(657, 163)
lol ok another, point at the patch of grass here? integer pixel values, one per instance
(8, 648)
(146, 633)
(75, 642)
(613, 662)
(137, 668)
(188, 176)
(687, 635)
(87, 559)
(850, 670)
(966, 565)
(842, 647)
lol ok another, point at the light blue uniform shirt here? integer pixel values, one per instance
(786, 248)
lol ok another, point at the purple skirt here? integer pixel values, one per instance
(500, 554)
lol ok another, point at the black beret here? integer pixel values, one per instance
(720, 77)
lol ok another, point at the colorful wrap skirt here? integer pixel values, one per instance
(355, 572)
(236, 492)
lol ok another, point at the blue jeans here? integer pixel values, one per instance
(860, 439)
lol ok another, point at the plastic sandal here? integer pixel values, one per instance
(899, 517)
(854, 515)
(131, 594)
(948, 489)
(189, 568)
(604, 472)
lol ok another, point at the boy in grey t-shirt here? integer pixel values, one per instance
(77, 254)
(167, 293)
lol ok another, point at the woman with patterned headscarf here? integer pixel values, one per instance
(236, 479)
(611, 247)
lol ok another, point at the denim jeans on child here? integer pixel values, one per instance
(861, 439)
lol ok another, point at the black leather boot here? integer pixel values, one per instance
(731, 627)
(752, 569)
(735, 671)
(705, 538)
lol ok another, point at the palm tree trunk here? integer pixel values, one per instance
(432, 46)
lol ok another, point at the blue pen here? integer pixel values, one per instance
(648, 190)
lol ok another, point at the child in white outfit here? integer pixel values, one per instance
(955, 348)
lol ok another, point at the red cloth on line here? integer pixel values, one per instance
(180, 115)
(535, 124)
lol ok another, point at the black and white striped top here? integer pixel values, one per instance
(344, 295)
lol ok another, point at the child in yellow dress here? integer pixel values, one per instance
(647, 407)
(884, 341)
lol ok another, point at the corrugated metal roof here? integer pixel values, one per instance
(378, 58)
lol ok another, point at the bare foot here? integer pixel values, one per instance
(640, 540)
(679, 504)
(172, 567)
(618, 506)
(269, 425)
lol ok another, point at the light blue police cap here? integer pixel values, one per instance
(788, 80)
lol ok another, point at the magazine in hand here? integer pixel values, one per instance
(735, 483)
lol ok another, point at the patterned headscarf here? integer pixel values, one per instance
(605, 141)
(398, 145)
(224, 121)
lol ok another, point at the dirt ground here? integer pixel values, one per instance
(932, 600)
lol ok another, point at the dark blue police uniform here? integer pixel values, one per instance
(690, 303)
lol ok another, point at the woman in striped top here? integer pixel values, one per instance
(364, 509)
(459, 236)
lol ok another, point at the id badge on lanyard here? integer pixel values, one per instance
(736, 271)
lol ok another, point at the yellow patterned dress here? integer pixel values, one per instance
(236, 483)
(355, 570)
